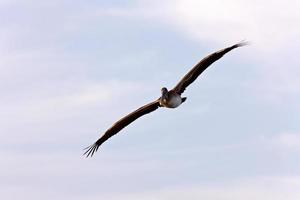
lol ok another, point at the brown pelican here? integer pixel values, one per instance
(169, 98)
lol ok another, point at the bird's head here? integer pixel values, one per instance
(164, 91)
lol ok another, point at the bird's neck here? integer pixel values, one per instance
(164, 96)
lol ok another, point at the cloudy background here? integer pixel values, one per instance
(69, 69)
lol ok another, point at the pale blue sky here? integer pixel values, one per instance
(70, 69)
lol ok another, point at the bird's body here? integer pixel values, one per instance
(171, 100)
(168, 99)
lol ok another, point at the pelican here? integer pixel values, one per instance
(168, 99)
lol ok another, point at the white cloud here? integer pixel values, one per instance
(237, 19)
(87, 94)
(287, 140)
(278, 81)
(259, 188)
(42, 117)
(270, 26)
(65, 174)
(267, 24)
(50, 111)
(282, 144)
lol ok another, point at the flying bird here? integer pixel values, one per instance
(168, 99)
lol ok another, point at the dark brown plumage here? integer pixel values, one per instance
(119, 125)
(169, 99)
(201, 66)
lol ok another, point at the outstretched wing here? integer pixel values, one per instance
(192, 75)
(122, 123)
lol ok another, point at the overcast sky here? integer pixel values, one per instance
(70, 69)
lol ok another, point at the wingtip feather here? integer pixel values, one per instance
(242, 43)
(90, 150)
